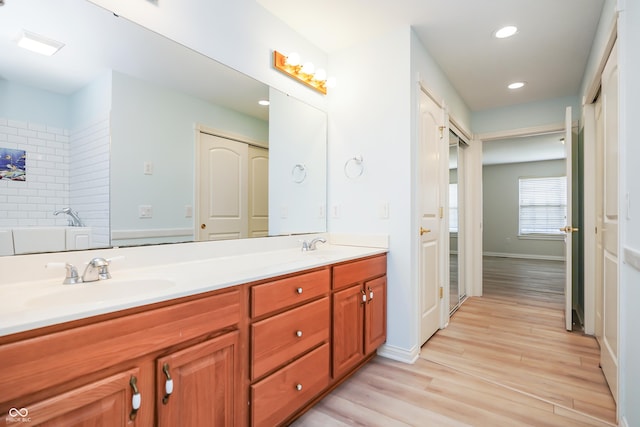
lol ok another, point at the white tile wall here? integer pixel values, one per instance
(32, 202)
(89, 178)
(63, 168)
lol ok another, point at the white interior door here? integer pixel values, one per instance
(223, 177)
(431, 137)
(568, 229)
(258, 192)
(610, 264)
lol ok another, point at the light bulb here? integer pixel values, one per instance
(320, 74)
(308, 68)
(293, 59)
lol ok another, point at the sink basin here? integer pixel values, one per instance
(100, 291)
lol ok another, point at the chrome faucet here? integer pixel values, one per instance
(97, 269)
(311, 246)
(74, 219)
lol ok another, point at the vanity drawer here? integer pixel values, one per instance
(359, 271)
(273, 296)
(280, 395)
(283, 337)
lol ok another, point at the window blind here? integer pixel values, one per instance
(543, 205)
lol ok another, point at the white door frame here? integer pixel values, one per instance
(476, 187)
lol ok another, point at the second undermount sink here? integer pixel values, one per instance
(100, 291)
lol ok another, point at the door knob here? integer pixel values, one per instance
(203, 226)
(424, 230)
(569, 229)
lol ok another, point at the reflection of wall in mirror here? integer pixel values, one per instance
(66, 142)
(298, 166)
(157, 125)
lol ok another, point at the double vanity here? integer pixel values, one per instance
(220, 334)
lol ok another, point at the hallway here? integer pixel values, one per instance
(505, 359)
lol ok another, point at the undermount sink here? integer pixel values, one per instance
(100, 291)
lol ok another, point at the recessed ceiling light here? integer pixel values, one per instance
(37, 43)
(505, 32)
(516, 85)
(263, 102)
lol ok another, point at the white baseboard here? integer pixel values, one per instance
(399, 354)
(524, 256)
(151, 233)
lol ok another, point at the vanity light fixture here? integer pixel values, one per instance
(304, 73)
(506, 32)
(37, 43)
(516, 85)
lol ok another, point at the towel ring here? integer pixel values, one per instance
(354, 167)
(299, 173)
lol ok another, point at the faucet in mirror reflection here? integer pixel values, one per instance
(74, 218)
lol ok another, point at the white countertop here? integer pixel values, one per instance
(28, 305)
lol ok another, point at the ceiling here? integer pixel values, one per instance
(549, 52)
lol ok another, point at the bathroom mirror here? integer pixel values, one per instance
(110, 126)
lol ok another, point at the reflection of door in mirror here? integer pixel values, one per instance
(232, 197)
(457, 291)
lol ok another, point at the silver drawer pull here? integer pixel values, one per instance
(299, 290)
(299, 387)
(298, 334)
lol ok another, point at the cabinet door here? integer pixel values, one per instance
(375, 324)
(348, 321)
(204, 383)
(107, 402)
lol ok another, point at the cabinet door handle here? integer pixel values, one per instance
(298, 334)
(370, 294)
(168, 385)
(299, 290)
(299, 387)
(364, 296)
(136, 398)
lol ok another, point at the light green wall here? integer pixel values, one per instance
(500, 209)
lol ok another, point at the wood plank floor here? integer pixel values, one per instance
(504, 360)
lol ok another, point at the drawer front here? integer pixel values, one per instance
(273, 296)
(283, 337)
(358, 271)
(281, 394)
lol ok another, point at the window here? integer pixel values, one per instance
(453, 207)
(543, 205)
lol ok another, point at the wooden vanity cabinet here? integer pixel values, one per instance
(256, 354)
(359, 312)
(81, 374)
(290, 353)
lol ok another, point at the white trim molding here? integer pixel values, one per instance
(399, 354)
(524, 256)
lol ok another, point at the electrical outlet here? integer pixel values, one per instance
(284, 212)
(145, 211)
(188, 211)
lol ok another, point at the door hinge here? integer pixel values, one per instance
(441, 129)
(441, 212)
(441, 292)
